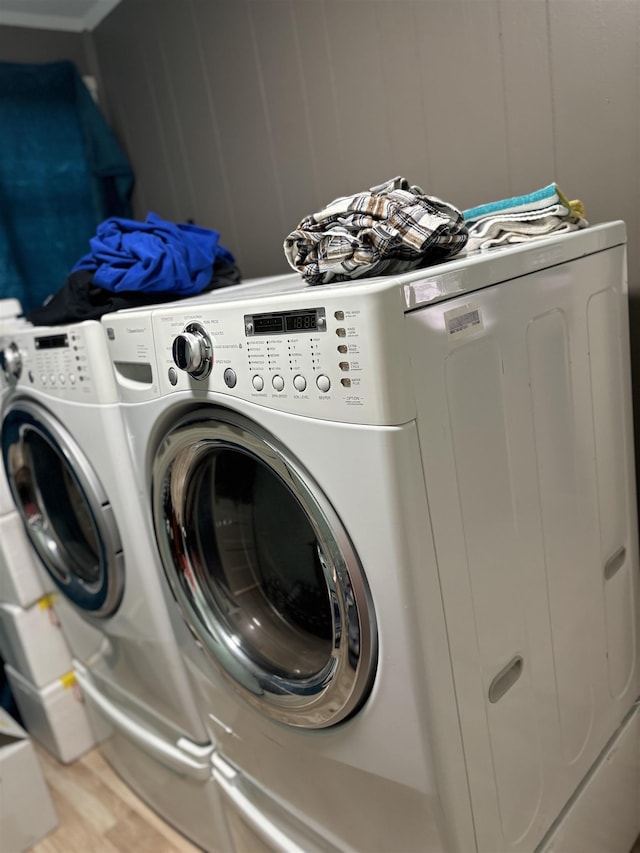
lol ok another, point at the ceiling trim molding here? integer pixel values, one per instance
(95, 14)
(98, 11)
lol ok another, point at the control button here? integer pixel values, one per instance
(341, 333)
(31, 377)
(173, 376)
(339, 315)
(72, 378)
(62, 378)
(278, 382)
(342, 348)
(230, 378)
(322, 324)
(323, 382)
(52, 379)
(346, 382)
(43, 379)
(299, 383)
(344, 365)
(258, 383)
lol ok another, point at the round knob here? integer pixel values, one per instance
(187, 352)
(11, 362)
(192, 351)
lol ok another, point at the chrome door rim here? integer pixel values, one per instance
(338, 688)
(105, 594)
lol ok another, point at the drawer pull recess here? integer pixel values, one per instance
(505, 679)
(615, 563)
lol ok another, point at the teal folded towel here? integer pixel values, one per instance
(542, 198)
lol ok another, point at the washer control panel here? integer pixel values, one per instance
(70, 362)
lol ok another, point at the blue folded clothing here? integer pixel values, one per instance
(154, 256)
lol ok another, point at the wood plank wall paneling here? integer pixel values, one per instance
(528, 96)
(248, 114)
(594, 60)
(461, 75)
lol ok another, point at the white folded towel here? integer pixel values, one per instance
(502, 231)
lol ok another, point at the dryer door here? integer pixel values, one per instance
(66, 513)
(263, 570)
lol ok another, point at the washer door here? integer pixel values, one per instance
(64, 508)
(263, 570)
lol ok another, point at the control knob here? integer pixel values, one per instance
(11, 363)
(193, 352)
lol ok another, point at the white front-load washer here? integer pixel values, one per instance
(66, 458)
(398, 519)
(20, 581)
(11, 317)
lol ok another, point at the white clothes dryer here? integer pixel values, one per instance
(66, 457)
(398, 519)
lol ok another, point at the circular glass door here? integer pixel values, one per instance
(263, 570)
(64, 509)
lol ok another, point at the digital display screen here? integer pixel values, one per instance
(303, 321)
(52, 342)
(286, 322)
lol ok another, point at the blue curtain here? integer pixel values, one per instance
(62, 172)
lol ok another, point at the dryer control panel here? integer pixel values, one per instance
(301, 355)
(336, 353)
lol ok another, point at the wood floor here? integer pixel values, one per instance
(99, 813)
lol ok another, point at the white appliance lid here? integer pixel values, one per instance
(462, 274)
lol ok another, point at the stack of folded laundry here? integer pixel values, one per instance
(523, 218)
(389, 228)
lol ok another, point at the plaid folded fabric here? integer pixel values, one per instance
(390, 228)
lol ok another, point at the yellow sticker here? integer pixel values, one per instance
(47, 601)
(68, 680)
